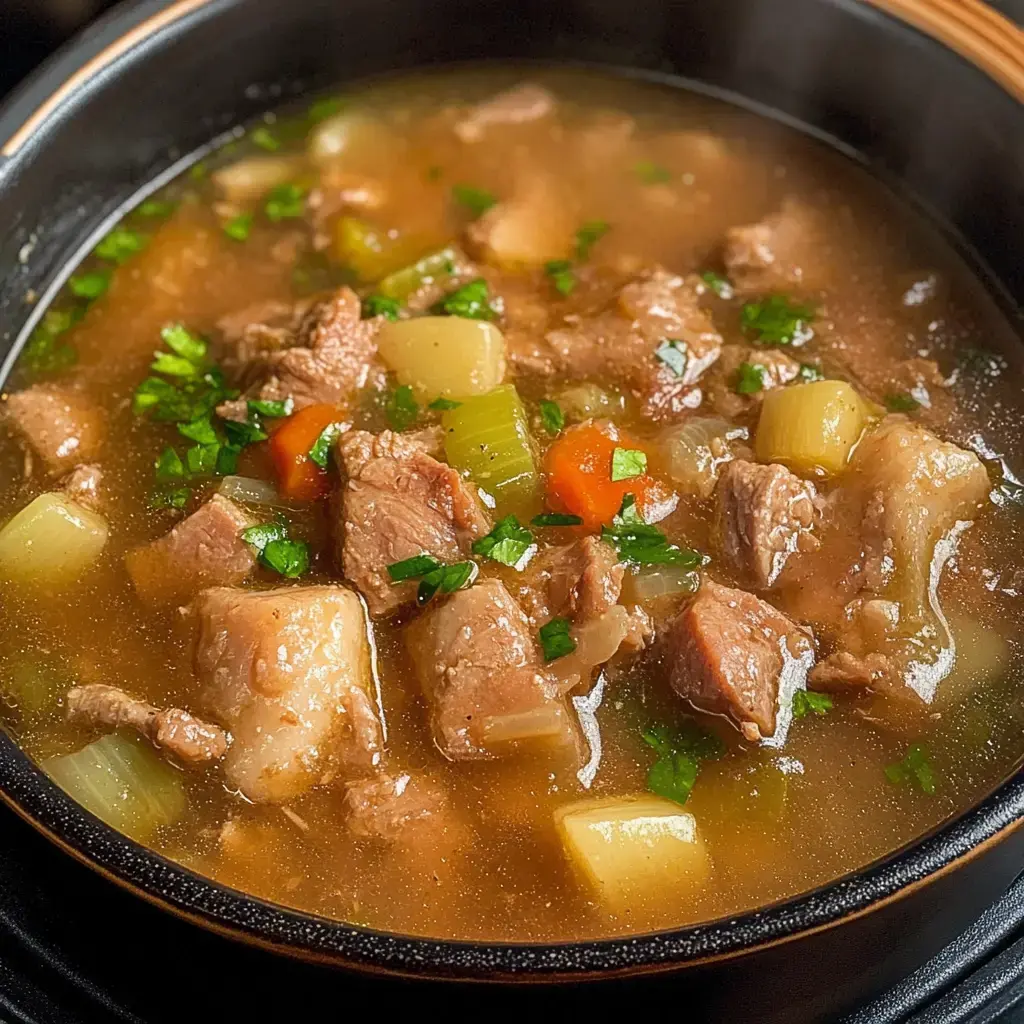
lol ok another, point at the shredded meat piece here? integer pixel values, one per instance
(519, 105)
(82, 485)
(393, 807)
(845, 671)
(189, 738)
(252, 334)
(61, 425)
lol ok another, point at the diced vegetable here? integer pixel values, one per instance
(811, 428)
(555, 639)
(488, 437)
(696, 450)
(248, 181)
(444, 355)
(632, 849)
(299, 477)
(659, 581)
(249, 490)
(124, 782)
(640, 543)
(401, 408)
(588, 401)
(438, 266)
(915, 769)
(548, 721)
(51, 542)
(508, 543)
(371, 252)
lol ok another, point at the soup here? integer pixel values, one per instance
(501, 508)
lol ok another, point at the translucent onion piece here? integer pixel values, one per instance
(663, 581)
(249, 490)
(548, 721)
(696, 450)
(588, 401)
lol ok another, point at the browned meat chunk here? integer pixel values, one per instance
(394, 807)
(776, 369)
(206, 549)
(622, 343)
(580, 581)
(60, 425)
(733, 654)
(519, 105)
(399, 502)
(251, 334)
(845, 671)
(288, 672)
(763, 515)
(82, 485)
(189, 738)
(481, 673)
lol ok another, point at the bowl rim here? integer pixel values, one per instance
(31, 108)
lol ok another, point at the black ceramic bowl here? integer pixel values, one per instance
(155, 82)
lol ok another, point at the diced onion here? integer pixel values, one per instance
(697, 449)
(250, 180)
(248, 490)
(544, 722)
(588, 401)
(663, 581)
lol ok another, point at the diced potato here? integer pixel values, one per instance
(51, 541)
(525, 231)
(811, 428)
(444, 356)
(630, 849)
(248, 181)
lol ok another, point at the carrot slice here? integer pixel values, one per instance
(578, 469)
(298, 476)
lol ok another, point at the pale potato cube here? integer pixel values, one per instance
(631, 849)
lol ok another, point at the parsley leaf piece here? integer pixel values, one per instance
(915, 768)
(120, 245)
(46, 351)
(227, 460)
(269, 408)
(628, 463)
(680, 752)
(201, 459)
(749, 379)
(184, 344)
(320, 453)
(556, 519)
(777, 321)
(476, 200)
(673, 776)
(156, 208)
(90, 286)
(720, 285)
(641, 544)
(401, 408)
(320, 110)
(588, 236)
(239, 228)
(808, 372)
(443, 404)
(285, 202)
(555, 639)
(381, 305)
(673, 353)
(289, 558)
(200, 431)
(261, 535)
(806, 702)
(241, 435)
(169, 466)
(551, 416)
(562, 276)
(176, 497)
(446, 580)
(173, 366)
(198, 171)
(507, 543)
(412, 568)
(471, 301)
(651, 173)
(265, 139)
(901, 402)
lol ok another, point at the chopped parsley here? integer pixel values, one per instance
(174, 498)
(476, 200)
(265, 139)
(628, 463)
(915, 768)
(90, 286)
(277, 551)
(286, 202)
(508, 543)
(472, 301)
(320, 453)
(777, 321)
(156, 208)
(672, 352)
(588, 236)
(556, 519)
(47, 351)
(433, 576)
(198, 171)
(642, 544)
(651, 173)
(401, 408)
(320, 110)
(239, 228)
(809, 372)
(749, 379)
(381, 305)
(243, 434)
(806, 702)
(720, 285)
(412, 568)
(443, 404)
(901, 402)
(562, 276)
(272, 409)
(680, 752)
(555, 640)
(120, 245)
(168, 466)
(551, 417)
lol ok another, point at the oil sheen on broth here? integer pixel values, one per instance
(672, 768)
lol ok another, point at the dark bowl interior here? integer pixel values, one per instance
(912, 110)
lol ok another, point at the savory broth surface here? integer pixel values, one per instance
(812, 415)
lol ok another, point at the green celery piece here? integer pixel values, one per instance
(438, 266)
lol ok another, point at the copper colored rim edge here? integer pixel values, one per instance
(108, 55)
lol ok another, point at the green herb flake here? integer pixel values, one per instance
(172, 498)
(198, 171)
(628, 463)
(200, 431)
(562, 276)
(901, 402)
(401, 408)
(777, 321)
(412, 568)
(47, 351)
(286, 202)
(381, 305)
(680, 753)
(289, 558)
(555, 640)
(556, 519)
(915, 768)
(90, 286)
(551, 417)
(168, 466)
(182, 343)
(120, 245)
(241, 435)
(443, 404)
(201, 459)
(810, 372)
(508, 543)
(651, 173)
(156, 208)
(588, 236)
(322, 109)
(271, 409)
(173, 366)
(720, 285)
(472, 301)
(673, 353)
(476, 200)
(265, 139)
(320, 453)
(806, 702)
(641, 544)
(261, 535)
(446, 580)
(239, 228)
(749, 379)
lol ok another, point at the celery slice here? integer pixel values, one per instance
(438, 266)
(487, 436)
(124, 782)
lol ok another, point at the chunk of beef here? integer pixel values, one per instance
(60, 425)
(777, 369)
(206, 549)
(733, 654)
(580, 581)
(399, 502)
(763, 515)
(520, 105)
(481, 673)
(845, 671)
(249, 336)
(621, 344)
(524, 320)
(288, 672)
(190, 739)
(394, 807)
(82, 485)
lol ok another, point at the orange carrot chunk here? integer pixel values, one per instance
(298, 476)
